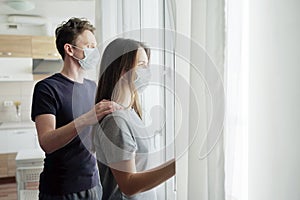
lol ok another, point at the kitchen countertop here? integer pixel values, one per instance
(17, 125)
(30, 154)
(16, 136)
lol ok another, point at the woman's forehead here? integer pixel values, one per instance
(142, 55)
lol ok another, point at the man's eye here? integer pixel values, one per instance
(91, 46)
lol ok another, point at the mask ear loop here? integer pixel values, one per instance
(77, 48)
(76, 58)
(68, 49)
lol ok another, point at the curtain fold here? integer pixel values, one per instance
(206, 171)
(215, 46)
(236, 79)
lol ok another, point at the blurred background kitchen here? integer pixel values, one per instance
(27, 54)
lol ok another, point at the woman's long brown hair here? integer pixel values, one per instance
(119, 57)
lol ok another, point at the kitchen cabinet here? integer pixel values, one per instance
(11, 142)
(11, 164)
(37, 47)
(3, 165)
(15, 46)
(18, 53)
(7, 165)
(43, 47)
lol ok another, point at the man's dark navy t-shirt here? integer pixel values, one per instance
(71, 168)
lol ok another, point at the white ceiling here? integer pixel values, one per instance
(54, 10)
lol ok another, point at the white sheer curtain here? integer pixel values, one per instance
(197, 35)
(220, 26)
(147, 21)
(206, 155)
(236, 126)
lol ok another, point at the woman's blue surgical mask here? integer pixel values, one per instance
(143, 77)
(91, 58)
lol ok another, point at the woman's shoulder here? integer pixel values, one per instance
(124, 114)
(119, 116)
(113, 124)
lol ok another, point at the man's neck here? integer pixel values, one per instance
(72, 71)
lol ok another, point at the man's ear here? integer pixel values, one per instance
(68, 49)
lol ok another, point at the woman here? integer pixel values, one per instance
(120, 143)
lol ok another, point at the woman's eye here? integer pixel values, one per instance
(142, 65)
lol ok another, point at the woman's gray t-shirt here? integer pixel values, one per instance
(121, 136)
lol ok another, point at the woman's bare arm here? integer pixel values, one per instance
(131, 182)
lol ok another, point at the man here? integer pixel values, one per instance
(63, 110)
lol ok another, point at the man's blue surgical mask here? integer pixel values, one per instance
(91, 58)
(143, 77)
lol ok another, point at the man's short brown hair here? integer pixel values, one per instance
(68, 32)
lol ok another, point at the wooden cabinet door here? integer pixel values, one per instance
(44, 47)
(3, 165)
(15, 46)
(11, 164)
(8, 165)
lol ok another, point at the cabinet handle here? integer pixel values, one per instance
(21, 132)
(5, 53)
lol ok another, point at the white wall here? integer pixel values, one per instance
(16, 91)
(53, 13)
(274, 99)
